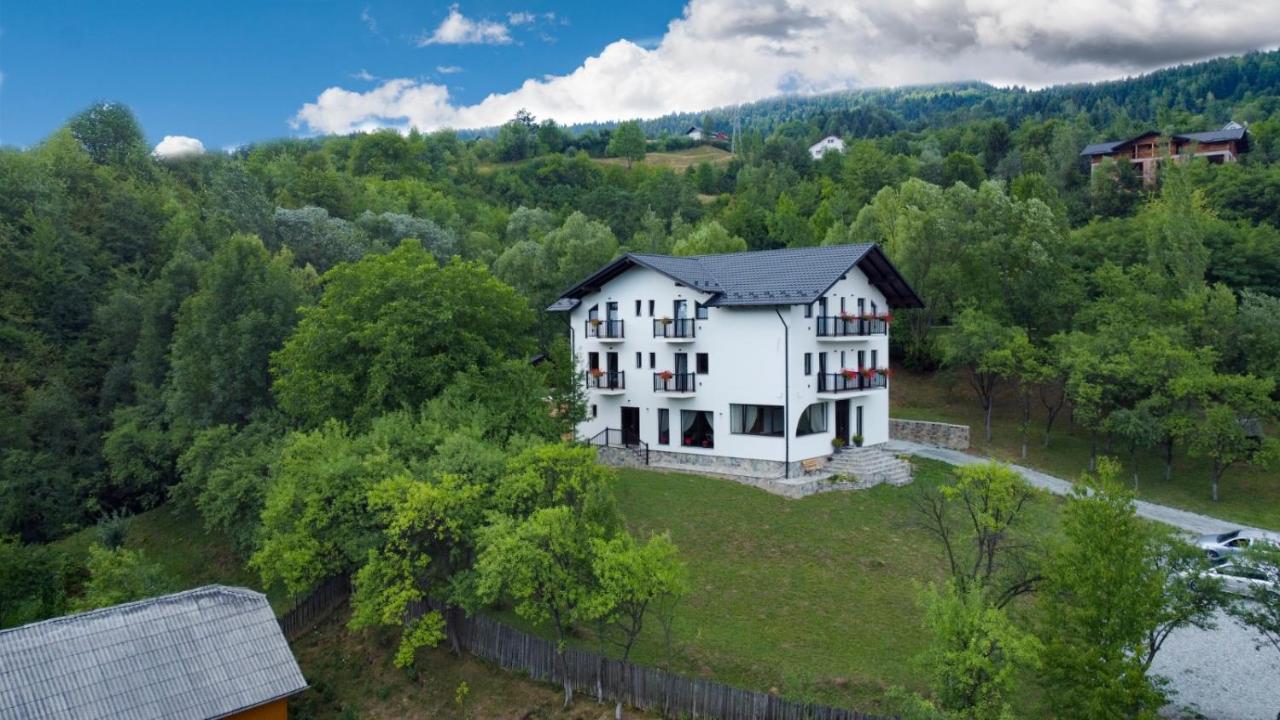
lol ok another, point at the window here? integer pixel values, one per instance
(696, 428)
(808, 310)
(700, 311)
(653, 360)
(637, 308)
(813, 420)
(703, 365)
(862, 355)
(842, 305)
(756, 420)
(874, 311)
(874, 363)
(593, 410)
(593, 360)
(664, 426)
(650, 308)
(843, 364)
(808, 363)
(862, 306)
(639, 360)
(680, 309)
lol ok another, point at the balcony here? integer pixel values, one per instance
(604, 330)
(677, 330)
(605, 382)
(836, 327)
(675, 384)
(841, 383)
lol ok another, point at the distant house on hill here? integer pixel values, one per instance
(830, 143)
(697, 134)
(1147, 149)
(212, 652)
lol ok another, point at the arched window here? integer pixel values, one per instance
(813, 420)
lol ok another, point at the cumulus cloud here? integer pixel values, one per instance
(177, 146)
(723, 52)
(458, 29)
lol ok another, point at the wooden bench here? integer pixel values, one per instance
(811, 465)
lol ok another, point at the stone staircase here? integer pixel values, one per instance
(870, 466)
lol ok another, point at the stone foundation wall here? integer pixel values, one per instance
(705, 464)
(944, 435)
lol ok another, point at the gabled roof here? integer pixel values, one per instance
(793, 276)
(203, 653)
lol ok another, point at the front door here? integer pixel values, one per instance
(842, 420)
(630, 426)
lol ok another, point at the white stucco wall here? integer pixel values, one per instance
(745, 348)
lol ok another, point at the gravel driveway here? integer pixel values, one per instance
(1219, 674)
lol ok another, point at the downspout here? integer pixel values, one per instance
(786, 388)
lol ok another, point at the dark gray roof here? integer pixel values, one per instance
(1103, 148)
(1226, 134)
(1230, 131)
(790, 276)
(203, 653)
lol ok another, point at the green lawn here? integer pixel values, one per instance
(813, 598)
(1248, 495)
(680, 160)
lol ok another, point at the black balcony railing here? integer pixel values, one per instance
(673, 328)
(605, 329)
(616, 380)
(837, 326)
(840, 382)
(675, 382)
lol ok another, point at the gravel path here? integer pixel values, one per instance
(1181, 519)
(1217, 673)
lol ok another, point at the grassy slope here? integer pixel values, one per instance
(1247, 495)
(178, 542)
(680, 160)
(813, 598)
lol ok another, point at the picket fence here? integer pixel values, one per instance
(316, 606)
(646, 688)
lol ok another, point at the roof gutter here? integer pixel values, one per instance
(786, 388)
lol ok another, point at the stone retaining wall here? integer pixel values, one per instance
(944, 435)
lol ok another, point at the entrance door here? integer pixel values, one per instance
(630, 426)
(842, 420)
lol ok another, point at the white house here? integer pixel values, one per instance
(694, 133)
(747, 363)
(830, 143)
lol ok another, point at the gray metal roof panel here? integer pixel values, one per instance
(201, 653)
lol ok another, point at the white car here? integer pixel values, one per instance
(1242, 578)
(1223, 545)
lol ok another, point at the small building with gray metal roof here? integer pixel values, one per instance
(211, 652)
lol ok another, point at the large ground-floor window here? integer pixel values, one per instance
(697, 428)
(813, 420)
(664, 424)
(756, 420)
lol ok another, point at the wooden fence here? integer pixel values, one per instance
(315, 607)
(647, 688)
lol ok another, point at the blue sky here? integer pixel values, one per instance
(232, 72)
(215, 75)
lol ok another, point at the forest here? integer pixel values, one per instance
(357, 311)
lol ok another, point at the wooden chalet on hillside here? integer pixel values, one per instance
(1146, 150)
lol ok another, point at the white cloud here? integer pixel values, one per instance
(521, 18)
(722, 52)
(458, 29)
(369, 21)
(177, 146)
(448, 69)
(365, 75)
